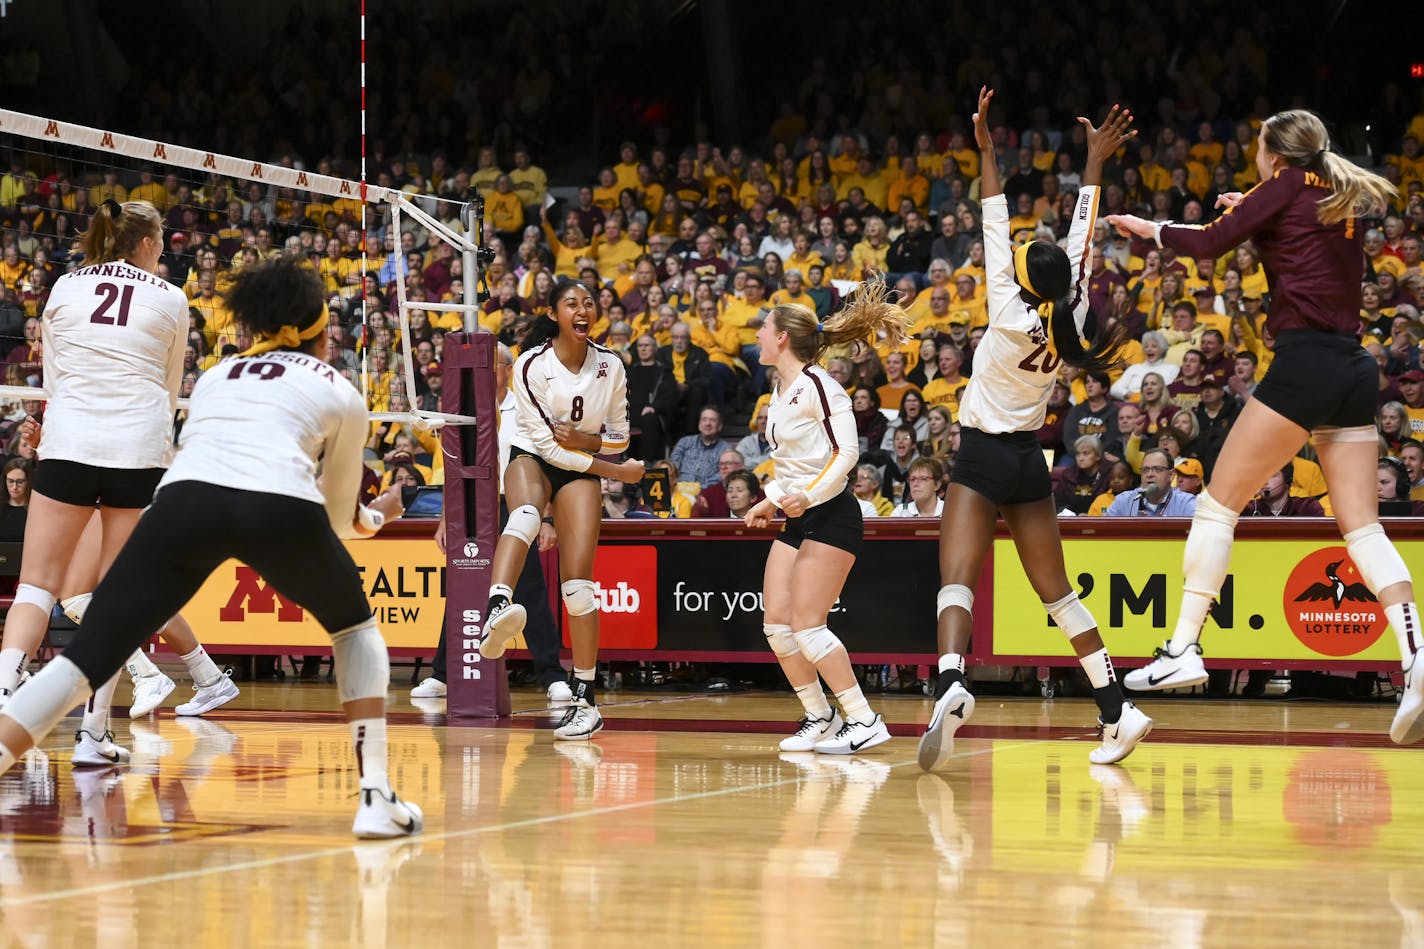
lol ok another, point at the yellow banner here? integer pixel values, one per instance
(403, 579)
(1283, 599)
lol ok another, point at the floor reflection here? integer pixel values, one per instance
(667, 837)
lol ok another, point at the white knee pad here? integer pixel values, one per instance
(779, 637)
(1208, 550)
(580, 596)
(817, 643)
(45, 699)
(954, 594)
(33, 595)
(362, 665)
(1377, 559)
(1071, 615)
(75, 606)
(523, 523)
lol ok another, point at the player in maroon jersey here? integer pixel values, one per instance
(1322, 385)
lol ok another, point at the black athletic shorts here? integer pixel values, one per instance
(1321, 379)
(1006, 469)
(558, 477)
(836, 523)
(70, 482)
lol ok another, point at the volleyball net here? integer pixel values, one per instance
(392, 262)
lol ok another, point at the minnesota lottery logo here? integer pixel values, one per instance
(1329, 608)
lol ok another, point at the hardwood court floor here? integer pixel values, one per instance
(1238, 824)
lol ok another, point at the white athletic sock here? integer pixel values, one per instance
(499, 589)
(854, 706)
(1404, 620)
(1098, 666)
(813, 699)
(1204, 565)
(12, 666)
(368, 736)
(202, 668)
(951, 660)
(585, 675)
(140, 666)
(96, 712)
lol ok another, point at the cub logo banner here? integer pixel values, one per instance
(626, 585)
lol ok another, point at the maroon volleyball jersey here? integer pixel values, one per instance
(1314, 269)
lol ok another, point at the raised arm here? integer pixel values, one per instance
(989, 184)
(1104, 141)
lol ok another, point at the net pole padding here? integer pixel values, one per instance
(476, 687)
(181, 156)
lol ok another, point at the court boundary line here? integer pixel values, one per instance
(175, 876)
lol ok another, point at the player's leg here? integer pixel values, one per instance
(578, 512)
(821, 720)
(52, 531)
(527, 490)
(160, 571)
(541, 632)
(1347, 458)
(966, 534)
(821, 571)
(212, 687)
(312, 568)
(1260, 443)
(1034, 527)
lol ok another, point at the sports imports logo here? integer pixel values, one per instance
(1329, 608)
(472, 550)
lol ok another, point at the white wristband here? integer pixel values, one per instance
(1157, 232)
(371, 520)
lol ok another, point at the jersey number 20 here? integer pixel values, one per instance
(1031, 362)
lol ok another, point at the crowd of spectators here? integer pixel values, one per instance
(859, 172)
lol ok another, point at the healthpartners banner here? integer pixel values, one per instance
(1283, 599)
(403, 579)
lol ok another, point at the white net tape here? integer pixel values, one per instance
(201, 162)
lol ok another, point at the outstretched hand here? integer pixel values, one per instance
(981, 120)
(1106, 139)
(1130, 225)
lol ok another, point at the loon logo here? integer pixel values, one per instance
(472, 549)
(1336, 616)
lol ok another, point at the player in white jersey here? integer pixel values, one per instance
(113, 341)
(571, 404)
(1037, 303)
(257, 429)
(811, 429)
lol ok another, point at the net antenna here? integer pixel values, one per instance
(129, 153)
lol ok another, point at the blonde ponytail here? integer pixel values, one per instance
(1300, 138)
(869, 311)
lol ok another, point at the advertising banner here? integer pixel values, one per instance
(403, 579)
(1283, 599)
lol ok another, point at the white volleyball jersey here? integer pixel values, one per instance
(1015, 364)
(594, 399)
(262, 423)
(811, 429)
(113, 338)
